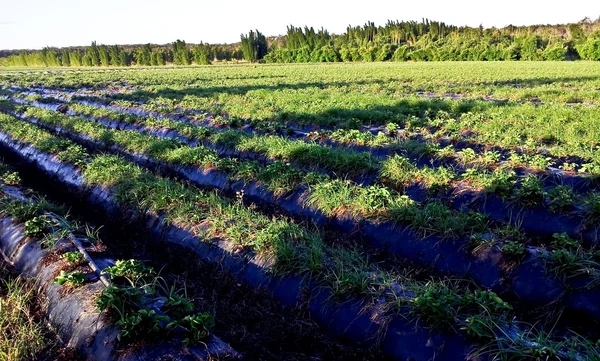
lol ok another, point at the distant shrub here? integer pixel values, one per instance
(556, 51)
(590, 49)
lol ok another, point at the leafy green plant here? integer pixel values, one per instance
(120, 299)
(75, 279)
(436, 305)
(73, 258)
(439, 304)
(491, 157)
(74, 154)
(37, 225)
(489, 301)
(591, 168)
(21, 211)
(467, 155)
(513, 249)
(480, 327)
(560, 198)
(500, 181)
(11, 178)
(540, 162)
(446, 152)
(178, 306)
(398, 171)
(563, 241)
(567, 263)
(314, 178)
(353, 136)
(569, 167)
(531, 192)
(438, 178)
(141, 323)
(392, 128)
(279, 177)
(195, 327)
(132, 270)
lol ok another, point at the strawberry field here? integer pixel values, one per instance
(415, 211)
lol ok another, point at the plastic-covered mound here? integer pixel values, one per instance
(73, 313)
(530, 280)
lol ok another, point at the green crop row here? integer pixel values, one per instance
(288, 246)
(291, 248)
(343, 198)
(482, 173)
(132, 280)
(548, 81)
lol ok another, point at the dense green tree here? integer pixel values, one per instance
(577, 33)
(223, 52)
(143, 55)
(75, 58)
(47, 57)
(115, 55)
(157, 57)
(124, 59)
(555, 51)
(530, 48)
(401, 53)
(64, 58)
(424, 40)
(103, 54)
(590, 49)
(254, 46)
(91, 56)
(326, 53)
(384, 52)
(86, 60)
(202, 54)
(94, 54)
(181, 53)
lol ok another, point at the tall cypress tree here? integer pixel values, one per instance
(49, 57)
(124, 59)
(181, 54)
(254, 46)
(64, 58)
(93, 55)
(75, 58)
(202, 54)
(114, 53)
(143, 55)
(157, 57)
(103, 54)
(86, 60)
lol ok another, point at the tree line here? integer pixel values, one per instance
(395, 41)
(177, 53)
(436, 41)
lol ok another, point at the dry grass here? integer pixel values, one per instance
(22, 334)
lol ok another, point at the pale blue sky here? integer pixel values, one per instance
(39, 23)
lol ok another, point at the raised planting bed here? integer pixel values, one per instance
(425, 145)
(531, 280)
(42, 246)
(494, 192)
(194, 228)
